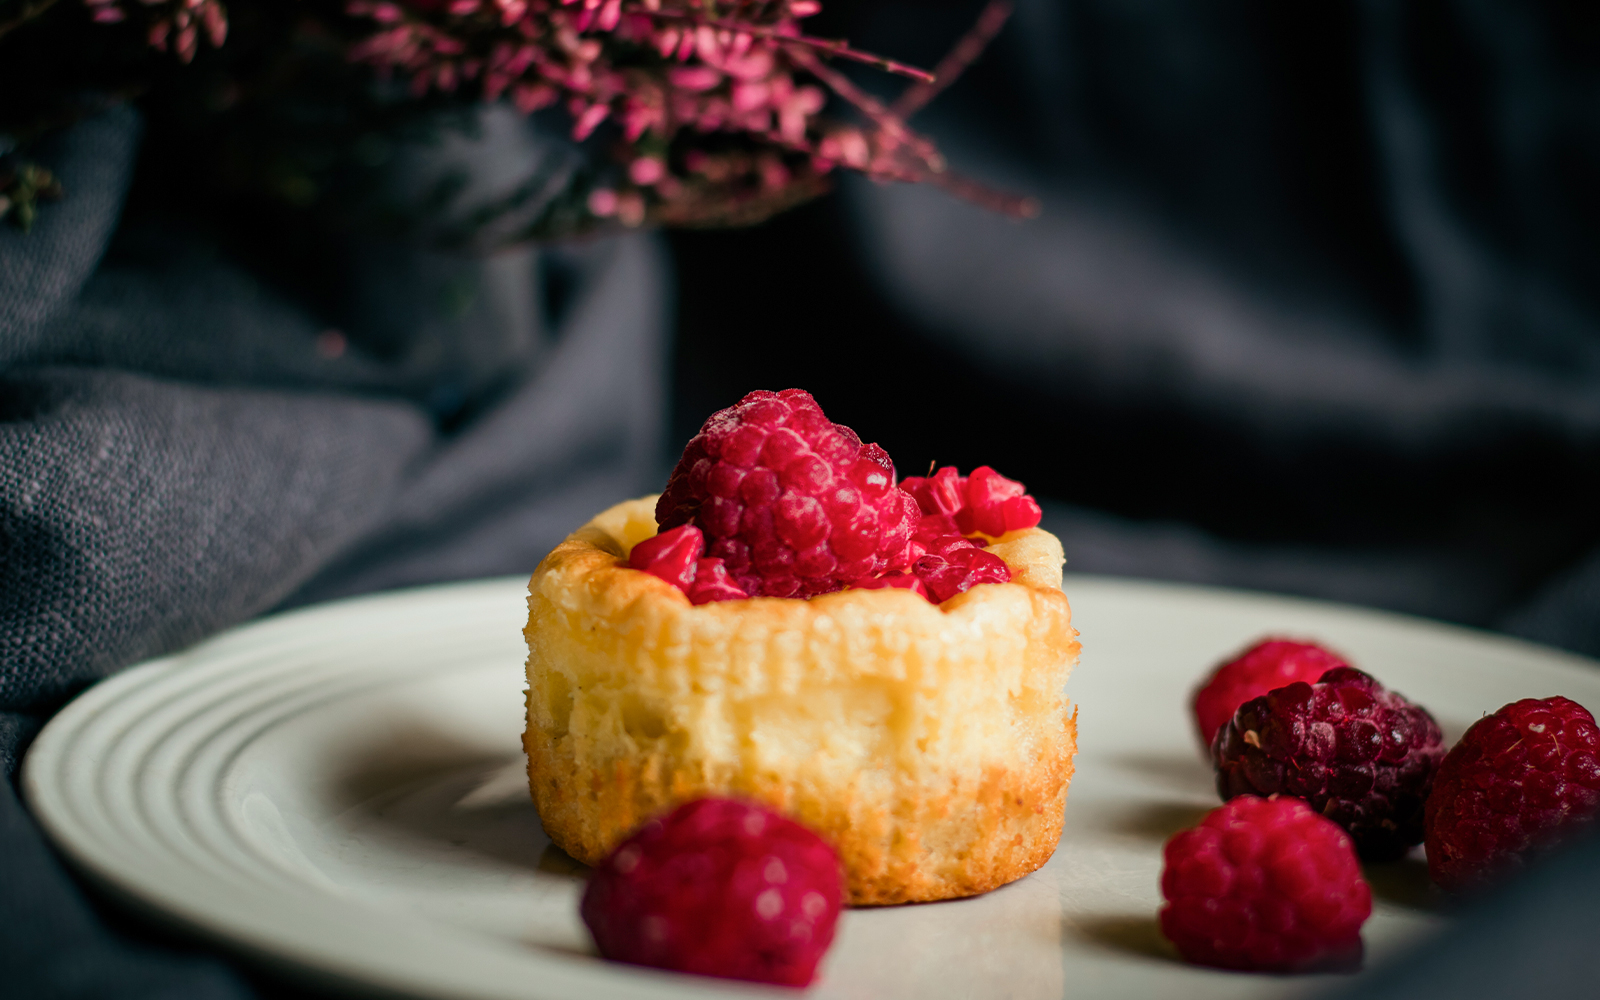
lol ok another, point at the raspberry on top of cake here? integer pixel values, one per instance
(792, 503)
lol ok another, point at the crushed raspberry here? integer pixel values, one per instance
(1361, 755)
(792, 503)
(960, 569)
(671, 555)
(932, 526)
(719, 888)
(1269, 664)
(982, 503)
(675, 556)
(898, 581)
(942, 493)
(1518, 782)
(1266, 885)
(950, 563)
(712, 583)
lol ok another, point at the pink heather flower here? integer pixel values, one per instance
(733, 68)
(694, 79)
(646, 170)
(589, 120)
(170, 25)
(631, 208)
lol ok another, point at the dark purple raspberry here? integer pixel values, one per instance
(792, 503)
(1360, 755)
(1519, 781)
(719, 888)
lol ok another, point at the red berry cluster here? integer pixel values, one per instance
(1264, 884)
(957, 513)
(719, 888)
(952, 564)
(982, 503)
(897, 581)
(771, 499)
(1274, 883)
(1517, 782)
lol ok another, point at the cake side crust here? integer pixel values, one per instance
(1007, 824)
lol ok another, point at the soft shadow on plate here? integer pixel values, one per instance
(555, 861)
(1005, 944)
(1157, 821)
(1405, 883)
(1178, 772)
(429, 784)
(407, 751)
(1140, 937)
(1137, 935)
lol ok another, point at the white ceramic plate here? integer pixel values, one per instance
(341, 790)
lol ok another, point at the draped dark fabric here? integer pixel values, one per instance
(185, 445)
(1310, 305)
(1313, 305)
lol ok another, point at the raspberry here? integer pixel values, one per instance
(900, 581)
(1264, 884)
(1518, 781)
(982, 503)
(674, 556)
(671, 555)
(793, 504)
(1360, 755)
(718, 888)
(712, 583)
(1269, 664)
(949, 563)
(954, 507)
(942, 493)
(959, 569)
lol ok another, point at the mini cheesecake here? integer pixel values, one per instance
(931, 744)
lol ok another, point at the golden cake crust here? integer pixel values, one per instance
(929, 743)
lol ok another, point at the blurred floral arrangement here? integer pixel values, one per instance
(694, 112)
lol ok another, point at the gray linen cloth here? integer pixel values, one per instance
(184, 447)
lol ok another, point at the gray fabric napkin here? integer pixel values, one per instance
(184, 446)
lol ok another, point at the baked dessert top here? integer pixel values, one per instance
(588, 577)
